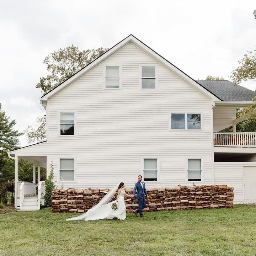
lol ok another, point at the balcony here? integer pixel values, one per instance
(235, 139)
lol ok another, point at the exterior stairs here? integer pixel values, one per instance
(30, 203)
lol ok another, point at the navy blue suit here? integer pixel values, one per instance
(141, 192)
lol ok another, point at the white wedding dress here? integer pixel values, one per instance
(103, 210)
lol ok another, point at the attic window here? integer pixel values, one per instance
(148, 77)
(112, 77)
(67, 123)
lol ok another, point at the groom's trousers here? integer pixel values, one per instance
(142, 204)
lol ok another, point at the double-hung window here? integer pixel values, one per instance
(148, 77)
(67, 169)
(150, 169)
(186, 121)
(67, 123)
(112, 79)
(194, 170)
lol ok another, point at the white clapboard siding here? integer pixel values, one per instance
(115, 129)
(223, 117)
(231, 174)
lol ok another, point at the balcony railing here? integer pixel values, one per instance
(235, 139)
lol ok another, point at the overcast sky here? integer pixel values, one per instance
(200, 37)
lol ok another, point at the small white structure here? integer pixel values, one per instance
(132, 112)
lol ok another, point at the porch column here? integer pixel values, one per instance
(38, 173)
(16, 179)
(34, 173)
(234, 127)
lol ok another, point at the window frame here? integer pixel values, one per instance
(186, 121)
(75, 123)
(105, 74)
(187, 170)
(58, 177)
(156, 83)
(158, 168)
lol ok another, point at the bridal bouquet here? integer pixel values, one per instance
(114, 206)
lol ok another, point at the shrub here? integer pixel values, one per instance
(49, 187)
(2, 206)
(3, 193)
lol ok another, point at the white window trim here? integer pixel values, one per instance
(186, 124)
(158, 168)
(58, 166)
(105, 73)
(156, 77)
(75, 123)
(202, 170)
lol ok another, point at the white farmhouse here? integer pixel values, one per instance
(133, 112)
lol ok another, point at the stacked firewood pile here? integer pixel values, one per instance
(159, 199)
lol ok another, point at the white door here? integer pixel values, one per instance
(250, 184)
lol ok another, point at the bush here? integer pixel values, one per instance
(3, 193)
(2, 206)
(49, 187)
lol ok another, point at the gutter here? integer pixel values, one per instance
(234, 103)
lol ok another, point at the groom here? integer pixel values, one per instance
(141, 193)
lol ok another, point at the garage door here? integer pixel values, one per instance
(250, 184)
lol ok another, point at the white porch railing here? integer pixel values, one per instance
(22, 188)
(235, 139)
(25, 188)
(41, 192)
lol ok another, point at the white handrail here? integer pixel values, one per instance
(22, 193)
(41, 191)
(235, 139)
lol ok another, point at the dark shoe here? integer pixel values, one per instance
(142, 217)
(136, 214)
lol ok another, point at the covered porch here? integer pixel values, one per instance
(226, 138)
(30, 195)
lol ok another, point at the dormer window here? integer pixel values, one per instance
(112, 79)
(148, 77)
(67, 123)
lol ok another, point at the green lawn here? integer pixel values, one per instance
(188, 232)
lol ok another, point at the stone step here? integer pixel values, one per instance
(29, 203)
(28, 208)
(30, 198)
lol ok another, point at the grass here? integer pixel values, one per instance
(189, 232)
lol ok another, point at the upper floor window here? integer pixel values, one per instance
(148, 77)
(194, 170)
(193, 121)
(112, 77)
(67, 123)
(67, 169)
(150, 169)
(186, 121)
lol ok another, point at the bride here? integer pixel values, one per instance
(106, 210)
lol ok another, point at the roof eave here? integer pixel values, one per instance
(234, 103)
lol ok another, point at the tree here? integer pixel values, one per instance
(39, 133)
(246, 69)
(64, 63)
(61, 65)
(216, 78)
(9, 138)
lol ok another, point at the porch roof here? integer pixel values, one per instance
(226, 91)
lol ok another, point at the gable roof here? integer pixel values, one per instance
(139, 43)
(226, 91)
